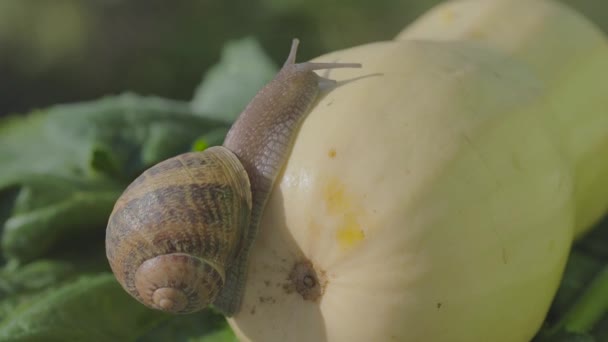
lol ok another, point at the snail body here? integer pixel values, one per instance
(178, 238)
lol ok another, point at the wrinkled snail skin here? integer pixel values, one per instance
(179, 236)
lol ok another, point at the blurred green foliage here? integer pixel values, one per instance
(54, 51)
(59, 160)
(63, 169)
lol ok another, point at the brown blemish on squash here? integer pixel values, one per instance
(332, 153)
(306, 281)
(267, 299)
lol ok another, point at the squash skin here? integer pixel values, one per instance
(566, 51)
(461, 199)
(436, 192)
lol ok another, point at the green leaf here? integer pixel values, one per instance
(27, 283)
(600, 332)
(35, 276)
(581, 300)
(224, 335)
(188, 328)
(50, 209)
(92, 308)
(213, 138)
(567, 337)
(23, 283)
(580, 270)
(114, 136)
(590, 306)
(594, 243)
(63, 168)
(228, 87)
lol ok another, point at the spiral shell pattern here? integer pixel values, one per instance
(177, 228)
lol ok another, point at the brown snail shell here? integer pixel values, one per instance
(176, 229)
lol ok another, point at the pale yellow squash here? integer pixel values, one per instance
(568, 53)
(435, 193)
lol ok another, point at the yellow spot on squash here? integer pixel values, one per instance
(448, 16)
(349, 233)
(337, 202)
(340, 203)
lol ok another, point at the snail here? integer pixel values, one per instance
(179, 236)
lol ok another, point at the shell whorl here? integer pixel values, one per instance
(177, 228)
(178, 282)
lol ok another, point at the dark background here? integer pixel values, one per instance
(57, 51)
